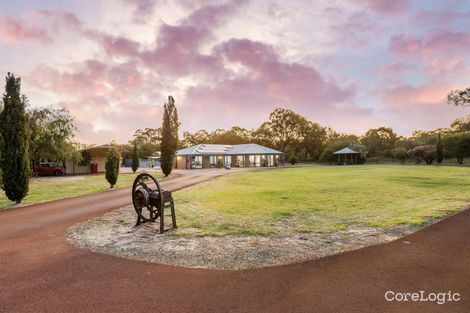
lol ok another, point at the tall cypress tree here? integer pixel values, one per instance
(439, 149)
(135, 159)
(15, 163)
(112, 167)
(170, 139)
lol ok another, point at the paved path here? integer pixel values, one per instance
(41, 272)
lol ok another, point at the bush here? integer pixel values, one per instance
(400, 154)
(457, 146)
(112, 167)
(293, 159)
(439, 150)
(85, 158)
(427, 153)
(135, 159)
(376, 160)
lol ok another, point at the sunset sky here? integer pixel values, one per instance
(351, 65)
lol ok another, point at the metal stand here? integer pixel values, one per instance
(150, 204)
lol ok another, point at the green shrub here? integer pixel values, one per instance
(439, 150)
(135, 159)
(112, 167)
(400, 154)
(293, 159)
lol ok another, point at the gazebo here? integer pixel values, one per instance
(350, 156)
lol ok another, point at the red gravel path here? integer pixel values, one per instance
(41, 272)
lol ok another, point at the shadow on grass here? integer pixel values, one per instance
(425, 182)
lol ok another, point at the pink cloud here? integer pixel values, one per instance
(405, 46)
(265, 83)
(213, 15)
(359, 30)
(245, 102)
(435, 45)
(440, 19)
(142, 8)
(393, 73)
(405, 96)
(177, 51)
(59, 19)
(442, 54)
(38, 26)
(419, 107)
(287, 81)
(387, 7)
(71, 84)
(396, 68)
(105, 98)
(115, 45)
(15, 31)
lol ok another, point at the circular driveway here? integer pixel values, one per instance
(41, 272)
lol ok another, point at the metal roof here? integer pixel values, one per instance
(346, 151)
(97, 147)
(211, 149)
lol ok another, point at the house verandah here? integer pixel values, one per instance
(219, 156)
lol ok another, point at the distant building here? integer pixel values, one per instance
(95, 163)
(146, 161)
(347, 156)
(218, 156)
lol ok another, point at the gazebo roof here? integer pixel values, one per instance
(346, 151)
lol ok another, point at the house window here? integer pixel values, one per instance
(240, 161)
(258, 160)
(264, 160)
(255, 160)
(196, 162)
(213, 160)
(227, 160)
(270, 160)
(252, 160)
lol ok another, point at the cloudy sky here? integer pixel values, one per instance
(351, 65)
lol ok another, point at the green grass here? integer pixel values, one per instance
(47, 189)
(322, 198)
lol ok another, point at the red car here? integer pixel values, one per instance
(48, 168)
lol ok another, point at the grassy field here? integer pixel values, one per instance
(322, 198)
(53, 188)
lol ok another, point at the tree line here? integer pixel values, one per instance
(305, 140)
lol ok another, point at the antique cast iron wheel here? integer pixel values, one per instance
(146, 198)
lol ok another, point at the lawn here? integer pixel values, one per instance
(322, 199)
(53, 188)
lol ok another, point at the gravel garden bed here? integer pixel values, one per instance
(113, 233)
